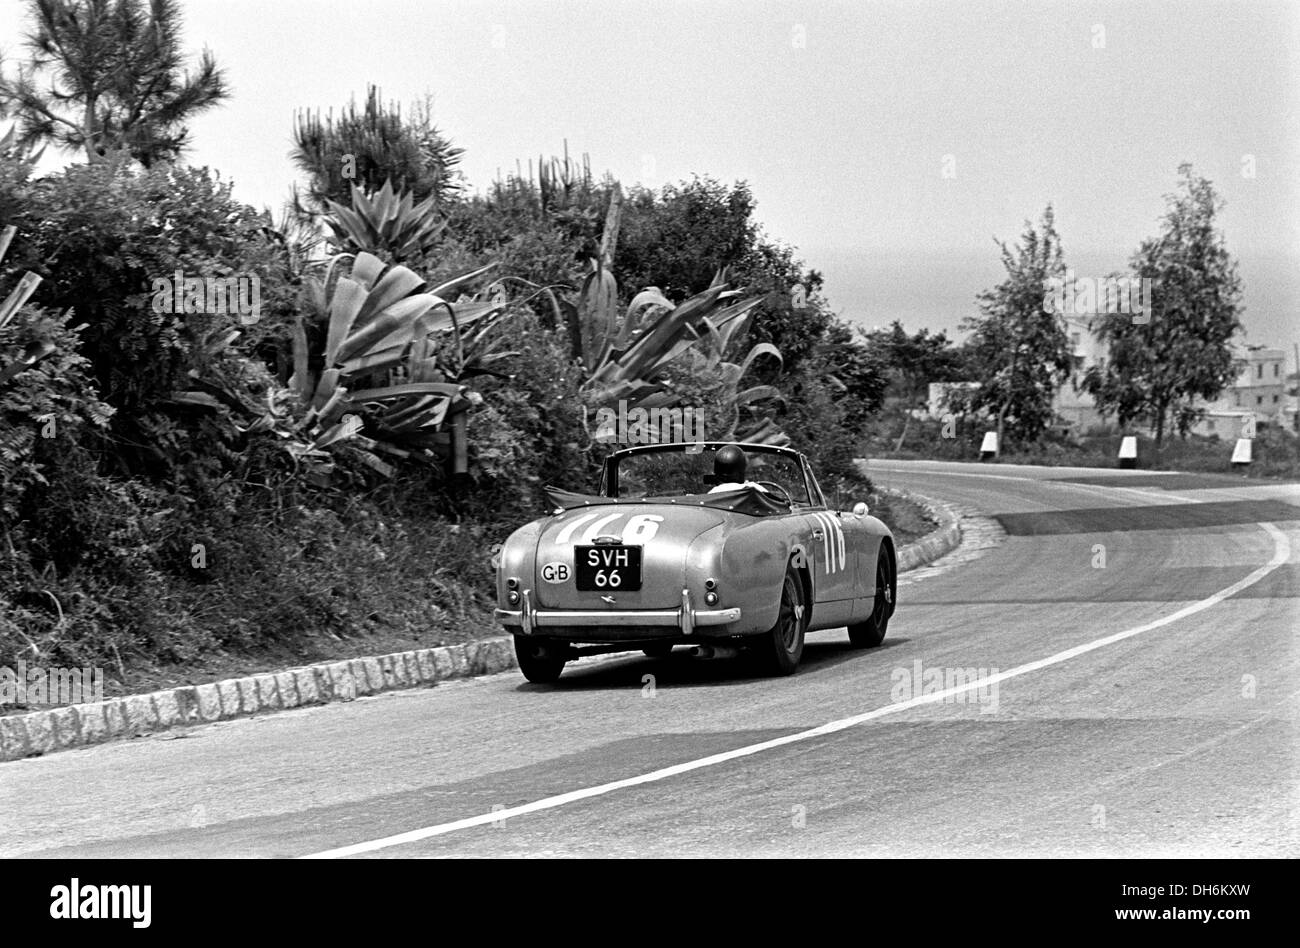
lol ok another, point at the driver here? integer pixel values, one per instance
(729, 466)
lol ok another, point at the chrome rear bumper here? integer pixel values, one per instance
(684, 619)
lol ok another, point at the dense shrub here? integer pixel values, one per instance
(100, 234)
(833, 396)
(530, 432)
(108, 571)
(678, 237)
(43, 408)
(527, 239)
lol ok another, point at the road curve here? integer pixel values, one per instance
(1136, 694)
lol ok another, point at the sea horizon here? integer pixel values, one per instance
(924, 288)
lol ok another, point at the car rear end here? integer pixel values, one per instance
(618, 573)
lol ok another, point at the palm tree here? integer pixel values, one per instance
(108, 75)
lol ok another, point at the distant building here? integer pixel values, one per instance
(1259, 390)
(1074, 406)
(1261, 386)
(1228, 423)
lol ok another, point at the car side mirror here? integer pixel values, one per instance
(859, 509)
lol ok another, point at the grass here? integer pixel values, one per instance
(1276, 453)
(907, 519)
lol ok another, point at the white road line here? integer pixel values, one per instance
(1281, 554)
(929, 470)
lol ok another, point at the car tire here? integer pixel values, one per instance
(871, 632)
(780, 648)
(540, 661)
(658, 650)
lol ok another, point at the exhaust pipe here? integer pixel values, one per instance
(714, 651)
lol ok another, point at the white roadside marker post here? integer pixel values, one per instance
(1128, 452)
(989, 449)
(1241, 453)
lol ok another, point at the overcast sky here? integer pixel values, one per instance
(843, 117)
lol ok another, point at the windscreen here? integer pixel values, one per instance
(684, 470)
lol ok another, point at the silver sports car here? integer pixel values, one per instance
(704, 543)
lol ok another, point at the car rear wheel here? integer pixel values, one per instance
(540, 661)
(871, 632)
(781, 647)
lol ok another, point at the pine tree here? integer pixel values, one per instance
(108, 75)
(369, 147)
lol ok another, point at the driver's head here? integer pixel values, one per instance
(729, 464)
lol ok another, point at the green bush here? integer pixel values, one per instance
(44, 407)
(529, 432)
(100, 234)
(104, 571)
(833, 397)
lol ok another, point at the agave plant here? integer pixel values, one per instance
(385, 349)
(629, 358)
(378, 361)
(386, 223)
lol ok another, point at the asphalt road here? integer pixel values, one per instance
(1138, 691)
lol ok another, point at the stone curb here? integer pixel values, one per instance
(941, 540)
(82, 725)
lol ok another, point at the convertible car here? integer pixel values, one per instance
(723, 546)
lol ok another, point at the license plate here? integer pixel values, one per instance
(607, 568)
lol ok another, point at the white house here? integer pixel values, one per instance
(1077, 407)
(1259, 390)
